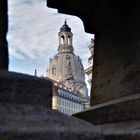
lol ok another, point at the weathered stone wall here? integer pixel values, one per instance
(36, 122)
(24, 89)
(113, 111)
(25, 112)
(117, 65)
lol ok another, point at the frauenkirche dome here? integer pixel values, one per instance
(65, 67)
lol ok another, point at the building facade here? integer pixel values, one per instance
(88, 70)
(65, 101)
(66, 67)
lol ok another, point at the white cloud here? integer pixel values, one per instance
(33, 35)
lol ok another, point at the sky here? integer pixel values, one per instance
(33, 36)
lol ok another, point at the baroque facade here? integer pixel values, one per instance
(64, 100)
(66, 68)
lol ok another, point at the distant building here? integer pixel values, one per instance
(67, 69)
(88, 70)
(64, 100)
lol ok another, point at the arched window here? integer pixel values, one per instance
(53, 70)
(62, 39)
(69, 40)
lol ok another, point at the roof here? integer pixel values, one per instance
(61, 87)
(65, 28)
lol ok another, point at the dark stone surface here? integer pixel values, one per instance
(3, 32)
(122, 137)
(116, 62)
(129, 130)
(24, 89)
(25, 102)
(99, 15)
(123, 109)
(35, 122)
(25, 112)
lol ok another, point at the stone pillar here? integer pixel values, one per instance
(3, 31)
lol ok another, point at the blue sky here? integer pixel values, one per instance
(33, 36)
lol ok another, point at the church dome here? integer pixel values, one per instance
(65, 67)
(65, 28)
(68, 69)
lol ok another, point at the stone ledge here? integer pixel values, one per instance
(123, 109)
(25, 89)
(26, 122)
(120, 131)
(36, 122)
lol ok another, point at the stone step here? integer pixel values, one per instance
(26, 114)
(35, 122)
(123, 109)
(127, 130)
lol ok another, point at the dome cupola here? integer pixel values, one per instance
(65, 39)
(66, 67)
(65, 28)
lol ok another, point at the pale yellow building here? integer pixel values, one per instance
(65, 101)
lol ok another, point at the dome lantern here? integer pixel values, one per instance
(65, 27)
(65, 39)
